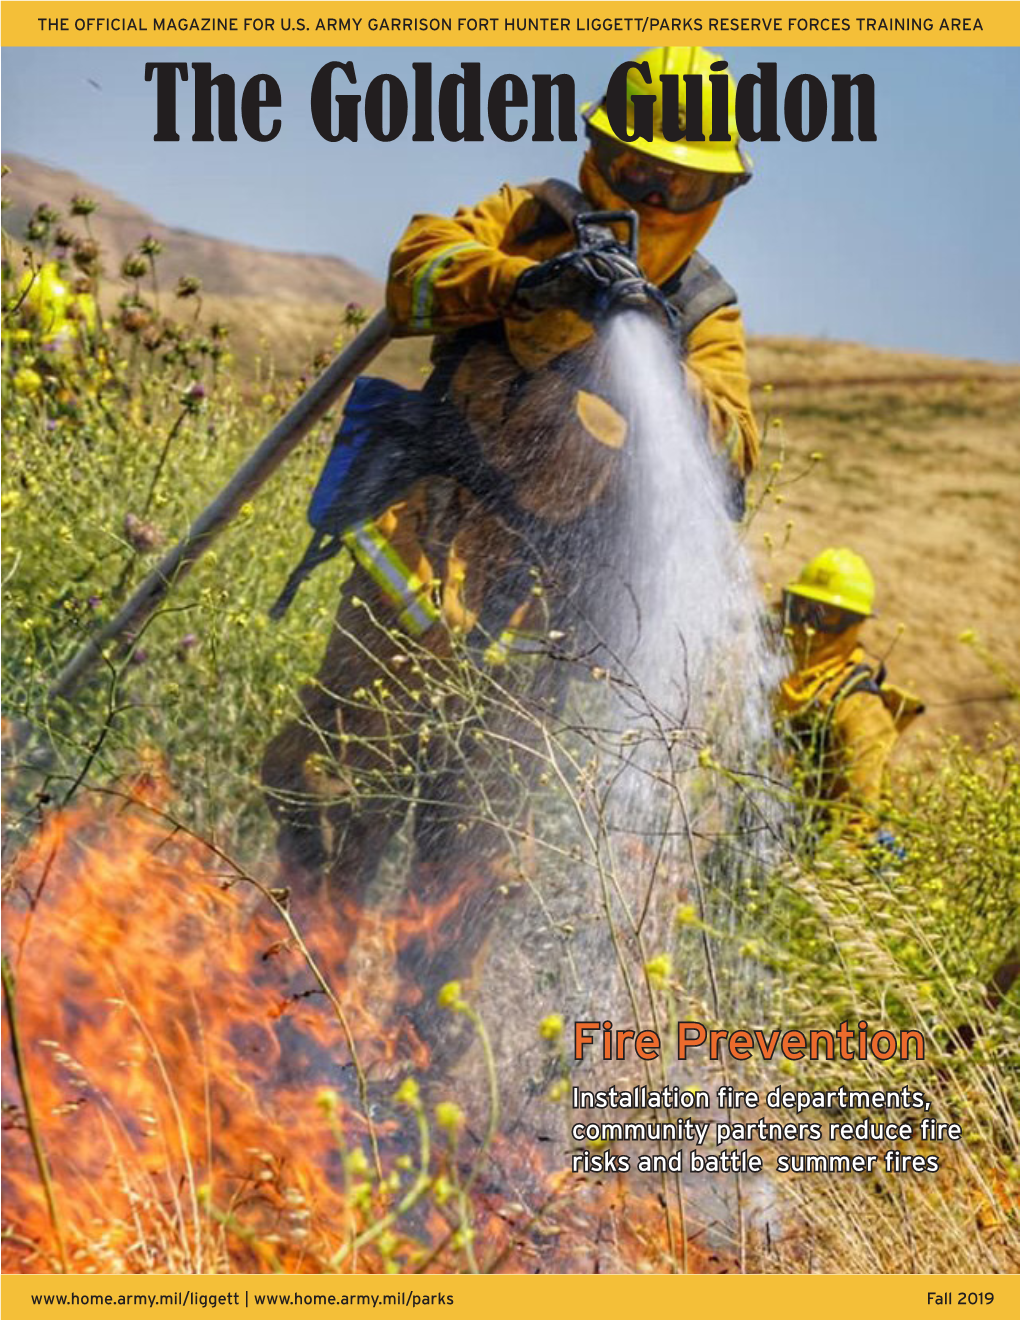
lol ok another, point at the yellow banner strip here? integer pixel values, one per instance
(293, 23)
(508, 1297)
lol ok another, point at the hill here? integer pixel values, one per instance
(289, 300)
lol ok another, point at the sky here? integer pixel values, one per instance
(908, 242)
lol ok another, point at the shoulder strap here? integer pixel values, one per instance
(697, 290)
(557, 199)
(860, 679)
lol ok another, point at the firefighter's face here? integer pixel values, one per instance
(817, 631)
(645, 180)
(817, 616)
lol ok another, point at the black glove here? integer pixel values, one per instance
(581, 280)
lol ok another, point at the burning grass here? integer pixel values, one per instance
(197, 1081)
(211, 1091)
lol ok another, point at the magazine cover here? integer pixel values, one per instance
(510, 633)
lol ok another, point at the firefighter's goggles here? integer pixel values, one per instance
(642, 179)
(802, 611)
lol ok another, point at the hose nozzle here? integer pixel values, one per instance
(639, 295)
(630, 292)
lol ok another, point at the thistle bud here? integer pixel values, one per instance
(134, 267)
(192, 397)
(188, 286)
(82, 205)
(134, 319)
(86, 255)
(141, 536)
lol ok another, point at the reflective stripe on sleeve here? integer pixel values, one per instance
(514, 642)
(423, 289)
(416, 611)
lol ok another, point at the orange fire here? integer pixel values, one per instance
(197, 1091)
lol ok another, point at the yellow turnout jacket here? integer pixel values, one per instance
(844, 719)
(452, 274)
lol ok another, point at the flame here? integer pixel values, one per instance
(202, 1084)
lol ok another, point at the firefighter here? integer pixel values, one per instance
(60, 309)
(512, 306)
(842, 715)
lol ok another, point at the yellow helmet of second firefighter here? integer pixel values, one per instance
(839, 577)
(721, 157)
(53, 303)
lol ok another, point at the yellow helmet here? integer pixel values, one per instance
(837, 577)
(723, 157)
(50, 299)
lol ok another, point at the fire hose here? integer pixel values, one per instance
(249, 478)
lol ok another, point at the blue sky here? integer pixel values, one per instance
(908, 242)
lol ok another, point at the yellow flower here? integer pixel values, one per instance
(408, 1093)
(660, 968)
(357, 1161)
(27, 381)
(328, 1100)
(450, 996)
(551, 1027)
(449, 1116)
